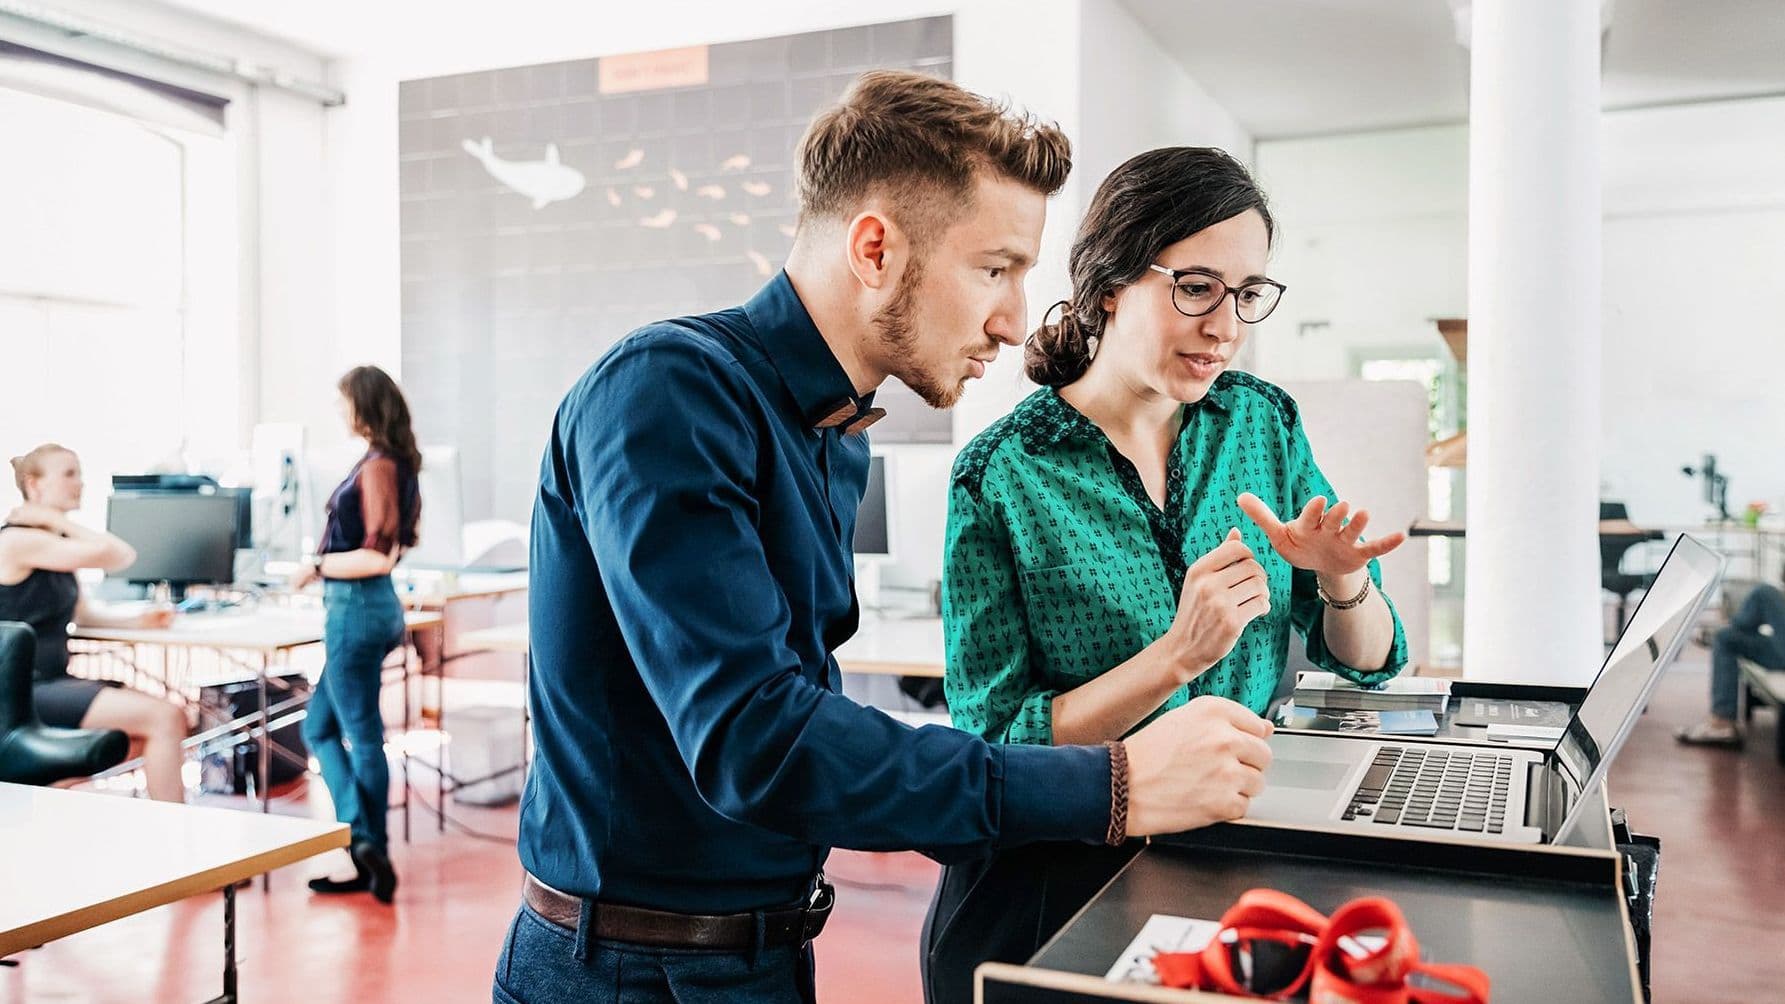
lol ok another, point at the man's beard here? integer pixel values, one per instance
(898, 342)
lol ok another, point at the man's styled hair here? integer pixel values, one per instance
(920, 141)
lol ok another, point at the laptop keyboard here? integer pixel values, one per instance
(1435, 788)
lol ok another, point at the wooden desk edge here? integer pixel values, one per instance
(491, 640)
(435, 601)
(185, 887)
(887, 667)
(110, 636)
(497, 639)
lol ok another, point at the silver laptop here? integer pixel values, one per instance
(1438, 790)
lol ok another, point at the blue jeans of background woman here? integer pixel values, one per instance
(344, 727)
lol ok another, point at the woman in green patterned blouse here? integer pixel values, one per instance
(1113, 549)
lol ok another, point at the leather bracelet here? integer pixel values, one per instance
(1356, 601)
(1118, 793)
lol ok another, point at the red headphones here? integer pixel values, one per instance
(1336, 968)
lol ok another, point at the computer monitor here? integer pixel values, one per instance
(181, 538)
(162, 482)
(199, 484)
(244, 499)
(873, 528)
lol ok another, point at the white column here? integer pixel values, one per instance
(1532, 608)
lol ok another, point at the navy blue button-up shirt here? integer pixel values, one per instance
(691, 575)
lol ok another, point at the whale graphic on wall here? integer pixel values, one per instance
(544, 181)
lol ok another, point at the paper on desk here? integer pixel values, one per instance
(1164, 933)
(1161, 933)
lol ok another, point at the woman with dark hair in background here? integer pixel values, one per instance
(372, 519)
(40, 550)
(1098, 571)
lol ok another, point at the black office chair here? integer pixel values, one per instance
(1612, 578)
(30, 751)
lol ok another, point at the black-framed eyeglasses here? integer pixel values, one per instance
(1196, 292)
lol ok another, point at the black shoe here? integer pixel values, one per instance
(360, 882)
(374, 866)
(329, 886)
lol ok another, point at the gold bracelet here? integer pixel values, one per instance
(1355, 601)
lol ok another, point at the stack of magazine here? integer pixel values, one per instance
(1408, 693)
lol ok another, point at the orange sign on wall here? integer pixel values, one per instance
(649, 71)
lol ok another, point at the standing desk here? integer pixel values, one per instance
(1544, 922)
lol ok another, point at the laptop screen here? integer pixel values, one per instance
(1652, 637)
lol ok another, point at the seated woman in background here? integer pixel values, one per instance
(1756, 632)
(1113, 549)
(40, 550)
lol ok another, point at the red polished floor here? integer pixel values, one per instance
(1720, 925)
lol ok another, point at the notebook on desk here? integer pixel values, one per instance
(1480, 712)
(1388, 723)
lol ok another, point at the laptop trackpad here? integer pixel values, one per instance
(1317, 775)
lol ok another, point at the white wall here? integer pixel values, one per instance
(1134, 97)
(1375, 243)
(1694, 307)
(1372, 235)
(282, 303)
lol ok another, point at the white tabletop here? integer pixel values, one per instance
(71, 860)
(501, 638)
(433, 590)
(264, 629)
(884, 645)
(895, 646)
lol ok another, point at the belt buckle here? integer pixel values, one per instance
(824, 896)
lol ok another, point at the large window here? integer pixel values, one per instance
(104, 346)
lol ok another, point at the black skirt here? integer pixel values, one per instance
(1004, 908)
(63, 702)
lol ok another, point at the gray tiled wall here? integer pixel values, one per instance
(505, 305)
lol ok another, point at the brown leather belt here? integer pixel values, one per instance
(735, 932)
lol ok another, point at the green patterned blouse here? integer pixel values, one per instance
(1058, 566)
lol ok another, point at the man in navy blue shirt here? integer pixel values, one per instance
(691, 576)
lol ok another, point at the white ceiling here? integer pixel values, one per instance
(1283, 67)
(1303, 67)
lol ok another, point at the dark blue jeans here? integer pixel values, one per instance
(540, 963)
(344, 727)
(1742, 639)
